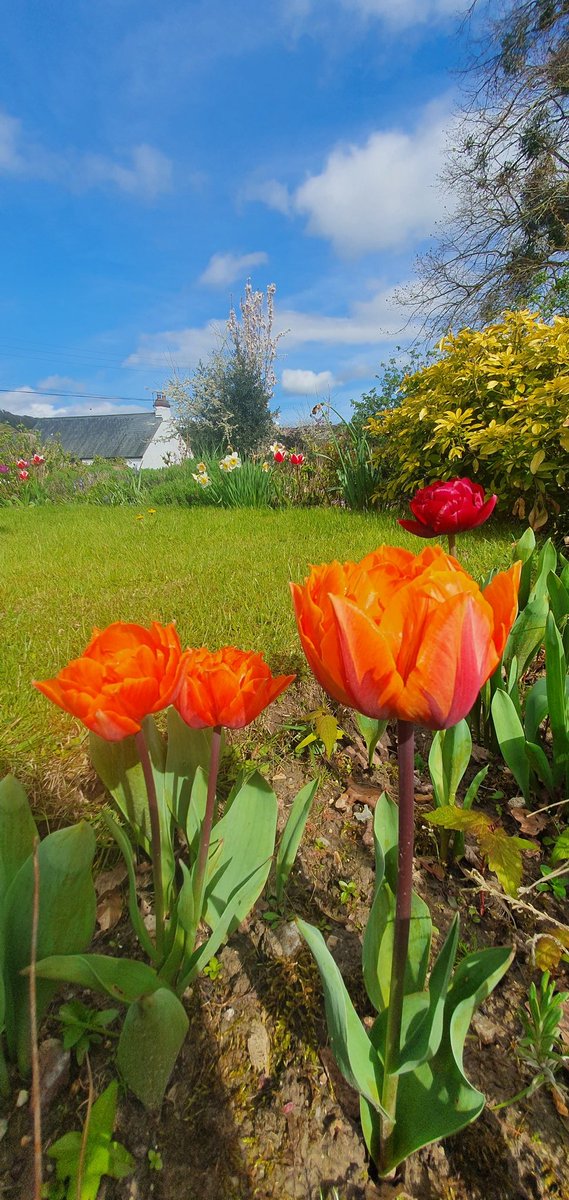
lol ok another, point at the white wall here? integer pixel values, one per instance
(166, 446)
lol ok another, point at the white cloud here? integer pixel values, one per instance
(10, 158)
(146, 173)
(382, 194)
(406, 12)
(177, 349)
(224, 269)
(307, 383)
(396, 14)
(270, 192)
(369, 322)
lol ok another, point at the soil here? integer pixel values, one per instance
(256, 1108)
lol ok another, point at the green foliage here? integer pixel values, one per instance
(236, 864)
(357, 476)
(408, 1107)
(448, 760)
(541, 1048)
(390, 389)
(226, 401)
(83, 1027)
(494, 406)
(82, 1159)
(66, 913)
(291, 836)
(371, 730)
(502, 852)
(518, 713)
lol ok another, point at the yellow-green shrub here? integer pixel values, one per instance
(494, 406)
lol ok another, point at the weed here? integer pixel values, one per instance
(155, 1160)
(213, 969)
(83, 1027)
(348, 890)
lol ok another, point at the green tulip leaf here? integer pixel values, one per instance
(292, 835)
(124, 979)
(66, 923)
(435, 1099)
(557, 702)
(524, 552)
(125, 847)
(386, 840)
(536, 709)
(526, 635)
(187, 750)
(424, 1040)
(352, 1048)
(246, 837)
(378, 946)
(371, 730)
(18, 831)
(511, 738)
(152, 1036)
(448, 759)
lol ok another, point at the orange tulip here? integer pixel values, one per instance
(126, 673)
(225, 687)
(403, 636)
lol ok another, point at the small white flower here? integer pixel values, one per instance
(202, 478)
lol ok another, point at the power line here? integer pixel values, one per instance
(75, 395)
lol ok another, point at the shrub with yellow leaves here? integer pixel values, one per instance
(494, 406)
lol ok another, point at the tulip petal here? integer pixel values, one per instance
(418, 527)
(455, 659)
(320, 643)
(502, 596)
(369, 668)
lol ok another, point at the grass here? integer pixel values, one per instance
(221, 575)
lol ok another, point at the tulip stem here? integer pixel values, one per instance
(405, 755)
(155, 840)
(207, 825)
(452, 543)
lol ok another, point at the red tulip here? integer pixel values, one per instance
(279, 456)
(38, 459)
(297, 460)
(22, 463)
(24, 474)
(449, 508)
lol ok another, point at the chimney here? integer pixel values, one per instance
(161, 405)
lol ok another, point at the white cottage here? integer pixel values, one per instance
(141, 439)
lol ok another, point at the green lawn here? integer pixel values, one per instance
(222, 575)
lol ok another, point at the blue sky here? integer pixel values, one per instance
(153, 156)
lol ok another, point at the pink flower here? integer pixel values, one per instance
(4, 469)
(24, 474)
(449, 507)
(297, 460)
(22, 463)
(38, 459)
